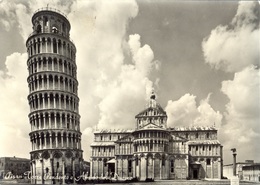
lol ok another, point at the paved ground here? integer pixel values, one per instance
(175, 182)
(164, 182)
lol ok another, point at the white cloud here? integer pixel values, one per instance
(14, 123)
(207, 115)
(243, 92)
(233, 47)
(243, 112)
(184, 112)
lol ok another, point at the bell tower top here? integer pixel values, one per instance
(50, 20)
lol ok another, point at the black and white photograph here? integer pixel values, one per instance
(130, 92)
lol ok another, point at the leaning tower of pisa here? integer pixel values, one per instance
(53, 99)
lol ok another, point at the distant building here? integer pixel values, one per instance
(15, 165)
(153, 151)
(228, 169)
(251, 172)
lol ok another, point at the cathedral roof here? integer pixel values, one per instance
(192, 128)
(177, 138)
(157, 107)
(151, 126)
(112, 131)
(203, 142)
(104, 143)
(15, 158)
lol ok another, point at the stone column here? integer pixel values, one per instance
(211, 162)
(91, 167)
(134, 167)
(46, 46)
(73, 169)
(102, 167)
(52, 170)
(40, 142)
(48, 96)
(43, 101)
(146, 167)
(153, 167)
(59, 100)
(62, 49)
(67, 137)
(50, 140)
(122, 166)
(52, 66)
(77, 142)
(45, 141)
(55, 120)
(40, 45)
(51, 46)
(38, 99)
(32, 171)
(62, 140)
(56, 140)
(139, 164)
(40, 123)
(59, 83)
(116, 167)
(160, 162)
(44, 121)
(219, 168)
(54, 101)
(63, 172)
(49, 116)
(42, 162)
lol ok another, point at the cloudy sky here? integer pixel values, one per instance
(200, 57)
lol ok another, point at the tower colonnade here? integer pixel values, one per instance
(51, 44)
(52, 62)
(55, 140)
(54, 120)
(52, 81)
(53, 100)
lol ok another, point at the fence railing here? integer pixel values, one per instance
(51, 9)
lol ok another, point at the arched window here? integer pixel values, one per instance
(54, 29)
(172, 166)
(45, 21)
(54, 46)
(163, 160)
(208, 162)
(39, 29)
